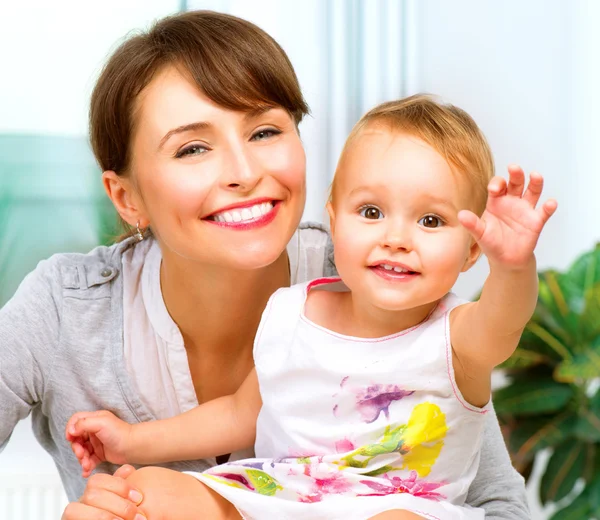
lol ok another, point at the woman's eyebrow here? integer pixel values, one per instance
(199, 125)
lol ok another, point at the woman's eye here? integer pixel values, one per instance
(264, 134)
(195, 149)
(431, 221)
(371, 212)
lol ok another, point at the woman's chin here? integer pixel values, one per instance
(253, 258)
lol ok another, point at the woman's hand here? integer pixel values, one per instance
(107, 497)
(509, 229)
(96, 437)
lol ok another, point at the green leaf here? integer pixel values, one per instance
(590, 318)
(560, 304)
(532, 397)
(595, 403)
(587, 426)
(583, 366)
(523, 358)
(585, 272)
(593, 492)
(550, 341)
(579, 509)
(532, 435)
(565, 467)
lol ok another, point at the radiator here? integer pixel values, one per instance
(31, 497)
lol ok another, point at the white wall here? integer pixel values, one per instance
(526, 71)
(51, 52)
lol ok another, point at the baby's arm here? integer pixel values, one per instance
(485, 333)
(217, 427)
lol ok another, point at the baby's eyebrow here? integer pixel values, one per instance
(359, 189)
(440, 200)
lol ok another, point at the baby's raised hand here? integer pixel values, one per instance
(510, 226)
(96, 437)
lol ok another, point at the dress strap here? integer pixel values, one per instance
(279, 320)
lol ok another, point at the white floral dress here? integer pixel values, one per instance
(352, 427)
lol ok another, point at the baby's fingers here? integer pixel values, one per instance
(86, 423)
(547, 209)
(74, 428)
(472, 223)
(516, 180)
(70, 431)
(78, 449)
(534, 189)
(88, 464)
(497, 187)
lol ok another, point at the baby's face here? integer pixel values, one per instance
(398, 242)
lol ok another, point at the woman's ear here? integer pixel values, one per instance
(125, 198)
(473, 256)
(331, 217)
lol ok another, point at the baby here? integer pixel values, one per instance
(369, 391)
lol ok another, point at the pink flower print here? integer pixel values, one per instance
(331, 483)
(411, 485)
(344, 446)
(376, 399)
(310, 499)
(236, 478)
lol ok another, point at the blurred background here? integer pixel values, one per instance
(526, 71)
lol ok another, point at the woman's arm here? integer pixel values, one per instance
(497, 487)
(106, 494)
(220, 426)
(29, 331)
(170, 495)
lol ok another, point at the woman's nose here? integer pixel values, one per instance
(241, 172)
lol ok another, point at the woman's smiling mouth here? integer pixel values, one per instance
(245, 216)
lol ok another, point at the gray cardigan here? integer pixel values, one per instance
(61, 351)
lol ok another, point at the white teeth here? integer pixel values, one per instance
(388, 267)
(251, 213)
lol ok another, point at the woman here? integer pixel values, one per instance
(194, 125)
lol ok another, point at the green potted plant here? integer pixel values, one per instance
(553, 396)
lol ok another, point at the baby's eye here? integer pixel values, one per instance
(371, 212)
(431, 221)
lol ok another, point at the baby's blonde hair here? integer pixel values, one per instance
(449, 130)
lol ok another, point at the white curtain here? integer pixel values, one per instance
(349, 55)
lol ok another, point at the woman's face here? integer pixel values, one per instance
(217, 186)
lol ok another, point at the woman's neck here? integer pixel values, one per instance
(218, 310)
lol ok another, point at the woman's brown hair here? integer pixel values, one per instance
(233, 62)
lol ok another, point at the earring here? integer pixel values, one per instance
(139, 235)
